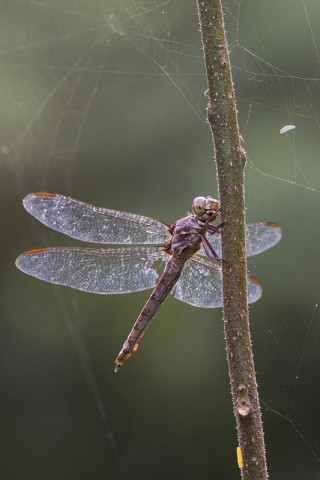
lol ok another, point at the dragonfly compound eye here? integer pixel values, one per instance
(199, 205)
(212, 204)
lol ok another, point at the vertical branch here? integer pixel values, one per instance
(230, 161)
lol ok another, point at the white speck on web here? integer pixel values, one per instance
(287, 128)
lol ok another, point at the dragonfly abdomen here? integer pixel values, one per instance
(166, 283)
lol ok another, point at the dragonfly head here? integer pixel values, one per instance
(205, 207)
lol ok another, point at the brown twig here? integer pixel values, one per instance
(230, 161)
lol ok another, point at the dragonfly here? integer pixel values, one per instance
(189, 250)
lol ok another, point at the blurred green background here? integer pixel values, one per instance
(104, 101)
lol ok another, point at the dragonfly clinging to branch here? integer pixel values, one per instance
(190, 250)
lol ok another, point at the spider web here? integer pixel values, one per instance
(104, 101)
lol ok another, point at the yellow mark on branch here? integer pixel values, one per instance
(239, 458)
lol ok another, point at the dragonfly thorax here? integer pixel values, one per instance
(186, 237)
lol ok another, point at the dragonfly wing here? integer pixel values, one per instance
(262, 236)
(200, 284)
(93, 224)
(254, 289)
(259, 237)
(105, 271)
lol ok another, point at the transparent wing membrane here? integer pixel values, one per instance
(259, 237)
(93, 224)
(200, 284)
(105, 271)
(254, 289)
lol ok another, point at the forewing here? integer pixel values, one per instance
(105, 271)
(259, 237)
(200, 284)
(262, 236)
(93, 224)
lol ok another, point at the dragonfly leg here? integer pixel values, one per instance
(215, 228)
(208, 248)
